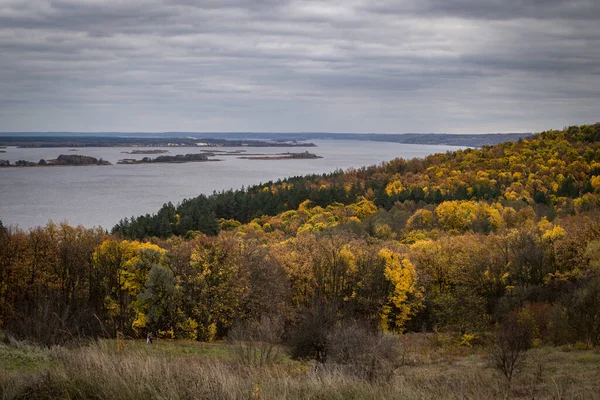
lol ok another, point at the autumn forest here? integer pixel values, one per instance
(455, 242)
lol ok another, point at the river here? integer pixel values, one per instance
(102, 195)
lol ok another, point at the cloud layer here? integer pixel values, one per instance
(344, 66)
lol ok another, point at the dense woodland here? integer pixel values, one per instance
(455, 242)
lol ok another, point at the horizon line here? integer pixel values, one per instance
(269, 132)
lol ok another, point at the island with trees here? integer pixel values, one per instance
(177, 159)
(62, 160)
(282, 156)
(155, 151)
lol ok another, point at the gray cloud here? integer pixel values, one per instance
(494, 9)
(352, 65)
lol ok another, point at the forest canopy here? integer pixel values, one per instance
(453, 242)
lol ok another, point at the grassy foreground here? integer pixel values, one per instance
(190, 370)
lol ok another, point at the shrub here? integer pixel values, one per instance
(257, 342)
(352, 346)
(308, 338)
(49, 325)
(461, 310)
(583, 311)
(538, 316)
(365, 353)
(559, 331)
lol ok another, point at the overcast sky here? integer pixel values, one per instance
(463, 66)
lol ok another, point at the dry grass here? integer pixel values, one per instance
(173, 370)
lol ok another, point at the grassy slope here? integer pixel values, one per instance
(169, 370)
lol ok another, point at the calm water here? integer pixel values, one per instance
(102, 195)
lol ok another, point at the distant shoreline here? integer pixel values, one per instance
(107, 141)
(254, 139)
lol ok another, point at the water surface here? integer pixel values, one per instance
(102, 195)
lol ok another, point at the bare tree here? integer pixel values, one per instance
(513, 341)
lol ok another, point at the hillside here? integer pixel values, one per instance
(457, 243)
(551, 171)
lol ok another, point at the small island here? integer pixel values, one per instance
(145, 152)
(284, 156)
(62, 160)
(225, 152)
(178, 159)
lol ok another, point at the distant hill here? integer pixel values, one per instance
(123, 138)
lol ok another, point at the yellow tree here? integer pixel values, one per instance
(405, 297)
(456, 216)
(125, 266)
(220, 284)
